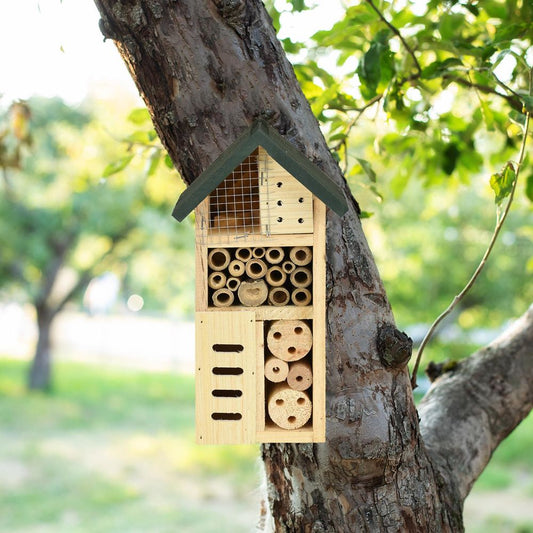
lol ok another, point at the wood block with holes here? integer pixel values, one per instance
(260, 291)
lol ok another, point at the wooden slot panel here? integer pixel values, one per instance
(221, 364)
(286, 205)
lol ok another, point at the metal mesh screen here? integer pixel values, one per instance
(234, 204)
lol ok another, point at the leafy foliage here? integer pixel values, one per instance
(437, 79)
(68, 213)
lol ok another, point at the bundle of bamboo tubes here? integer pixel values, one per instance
(277, 276)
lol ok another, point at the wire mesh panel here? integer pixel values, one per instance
(234, 204)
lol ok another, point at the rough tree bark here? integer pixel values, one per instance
(206, 69)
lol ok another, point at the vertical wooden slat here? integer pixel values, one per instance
(260, 376)
(319, 322)
(202, 222)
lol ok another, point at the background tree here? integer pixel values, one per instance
(67, 217)
(206, 70)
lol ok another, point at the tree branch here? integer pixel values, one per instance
(512, 99)
(470, 410)
(396, 32)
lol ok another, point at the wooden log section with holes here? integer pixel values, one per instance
(276, 370)
(289, 340)
(300, 375)
(289, 408)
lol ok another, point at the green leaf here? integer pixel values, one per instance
(117, 166)
(367, 167)
(502, 183)
(153, 162)
(529, 187)
(528, 102)
(438, 68)
(365, 214)
(139, 116)
(168, 162)
(507, 32)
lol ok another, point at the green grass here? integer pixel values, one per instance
(113, 450)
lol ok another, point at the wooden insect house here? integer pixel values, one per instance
(260, 292)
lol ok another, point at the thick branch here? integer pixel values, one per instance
(469, 411)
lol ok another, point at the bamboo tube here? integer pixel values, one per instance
(301, 297)
(288, 408)
(274, 255)
(289, 340)
(288, 267)
(252, 293)
(301, 255)
(223, 298)
(301, 277)
(236, 268)
(300, 376)
(275, 277)
(216, 280)
(279, 296)
(233, 284)
(218, 259)
(276, 370)
(258, 252)
(243, 254)
(256, 268)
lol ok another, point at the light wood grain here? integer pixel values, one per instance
(225, 329)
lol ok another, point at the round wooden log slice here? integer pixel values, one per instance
(256, 268)
(301, 277)
(216, 280)
(301, 297)
(288, 408)
(252, 293)
(279, 296)
(301, 255)
(276, 370)
(288, 267)
(258, 252)
(218, 259)
(243, 254)
(233, 284)
(223, 298)
(275, 276)
(236, 268)
(289, 340)
(300, 376)
(274, 255)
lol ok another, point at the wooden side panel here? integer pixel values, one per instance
(260, 377)
(319, 324)
(286, 205)
(226, 349)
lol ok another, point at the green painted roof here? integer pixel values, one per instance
(261, 134)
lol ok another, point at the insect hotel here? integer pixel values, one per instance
(260, 292)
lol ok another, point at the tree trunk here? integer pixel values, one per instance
(206, 70)
(40, 375)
